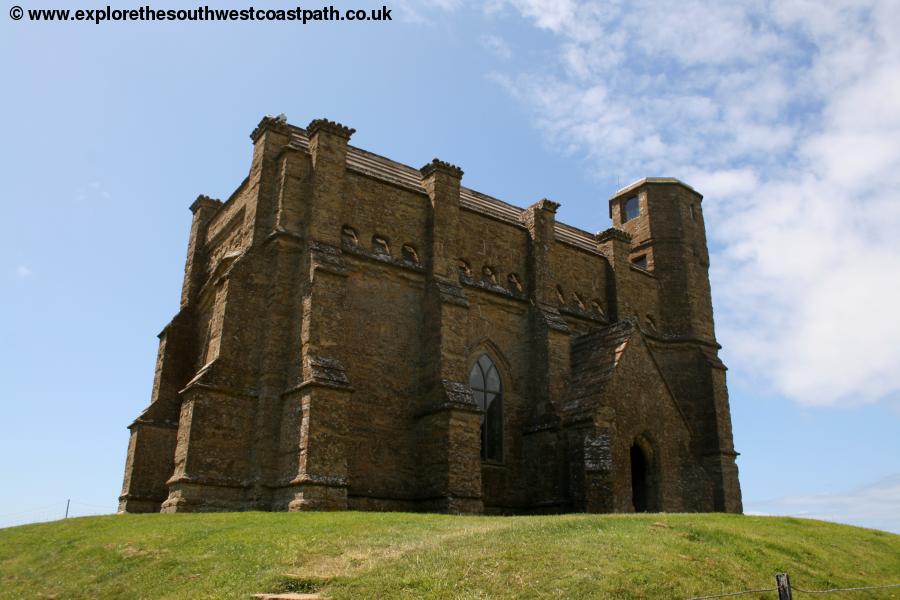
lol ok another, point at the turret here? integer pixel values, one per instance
(668, 238)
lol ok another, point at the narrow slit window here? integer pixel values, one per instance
(348, 236)
(515, 284)
(579, 303)
(598, 309)
(410, 255)
(465, 270)
(560, 296)
(380, 246)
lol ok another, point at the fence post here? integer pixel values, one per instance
(783, 585)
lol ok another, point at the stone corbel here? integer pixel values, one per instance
(451, 293)
(552, 318)
(325, 371)
(453, 395)
(324, 257)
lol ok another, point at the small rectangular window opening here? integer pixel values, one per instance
(632, 209)
(640, 261)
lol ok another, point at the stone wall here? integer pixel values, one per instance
(332, 310)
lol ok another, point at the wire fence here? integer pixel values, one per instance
(730, 594)
(785, 590)
(54, 512)
(854, 589)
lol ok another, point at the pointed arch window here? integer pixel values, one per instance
(484, 379)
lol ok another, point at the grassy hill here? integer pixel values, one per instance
(396, 555)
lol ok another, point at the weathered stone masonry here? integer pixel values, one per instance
(334, 307)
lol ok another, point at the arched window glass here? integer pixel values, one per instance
(488, 391)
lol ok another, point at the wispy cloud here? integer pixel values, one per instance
(23, 272)
(876, 505)
(497, 46)
(92, 191)
(417, 11)
(787, 115)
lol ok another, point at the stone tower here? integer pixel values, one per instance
(668, 238)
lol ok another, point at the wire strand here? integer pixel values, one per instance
(734, 594)
(801, 590)
(853, 589)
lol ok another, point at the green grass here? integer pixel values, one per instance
(397, 555)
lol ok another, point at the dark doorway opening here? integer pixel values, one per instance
(639, 479)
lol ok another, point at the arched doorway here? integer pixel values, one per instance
(643, 480)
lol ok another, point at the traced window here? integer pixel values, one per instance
(515, 284)
(380, 246)
(488, 391)
(632, 208)
(348, 236)
(410, 255)
(489, 275)
(691, 210)
(640, 261)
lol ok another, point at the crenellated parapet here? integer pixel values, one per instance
(546, 205)
(277, 124)
(324, 125)
(613, 234)
(204, 203)
(439, 165)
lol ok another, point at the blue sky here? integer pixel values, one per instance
(786, 115)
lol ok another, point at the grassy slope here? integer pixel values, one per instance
(395, 555)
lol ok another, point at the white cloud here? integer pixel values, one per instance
(876, 506)
(723, 183)
(23, 272)
(787, 116)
